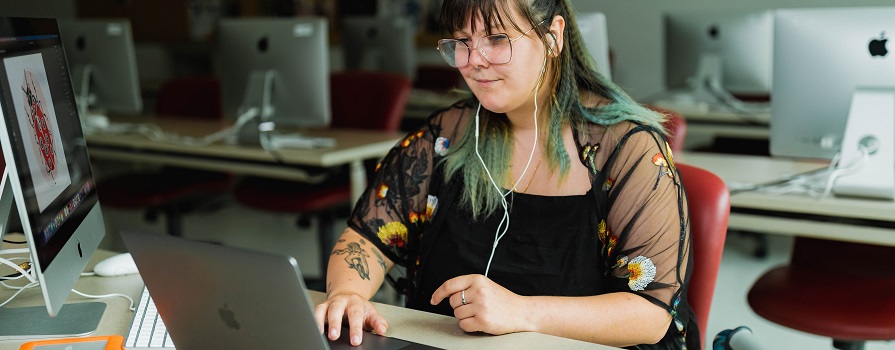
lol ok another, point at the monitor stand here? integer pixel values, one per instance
(869, 134)
(34, 322)
(258, 95)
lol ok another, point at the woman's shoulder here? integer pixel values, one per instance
(624, 134)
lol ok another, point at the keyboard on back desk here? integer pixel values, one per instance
(147, 329)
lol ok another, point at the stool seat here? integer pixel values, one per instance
(813, 300)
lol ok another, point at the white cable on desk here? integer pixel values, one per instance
(131, 307)
(32, 282)
(20, 289)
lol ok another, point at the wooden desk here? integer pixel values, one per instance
(352, 147)
(837, 218)
(418, 326)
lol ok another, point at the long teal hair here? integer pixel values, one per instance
(573, 71)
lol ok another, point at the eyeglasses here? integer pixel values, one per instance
(495, 48)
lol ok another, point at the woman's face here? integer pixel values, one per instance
(508, 87)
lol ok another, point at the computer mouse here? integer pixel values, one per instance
(118, 265)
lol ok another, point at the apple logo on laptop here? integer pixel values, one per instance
(877, 47)
(228, 317)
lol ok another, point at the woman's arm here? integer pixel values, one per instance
(616, 319)
(355, 272)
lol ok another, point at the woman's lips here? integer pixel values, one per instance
(486, 82)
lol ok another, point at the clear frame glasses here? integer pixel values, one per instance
(495, 48)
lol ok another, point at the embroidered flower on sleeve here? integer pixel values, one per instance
(381, 191)
(621, 261)
(441, 145)
(410, 138)
(659, 160)
(393, 234)
(641, 272)
(607, 238)
(608, 184)
(664, 168)
(431, 205)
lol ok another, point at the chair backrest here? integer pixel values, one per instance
(195, 96)
(438, 77)
(709, 203)
(676, 126)
(368, 100)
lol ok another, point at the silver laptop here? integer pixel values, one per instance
(218, 297)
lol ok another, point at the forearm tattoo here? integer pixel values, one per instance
(356, 257)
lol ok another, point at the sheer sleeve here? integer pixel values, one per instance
(646, 228)
(397, 206)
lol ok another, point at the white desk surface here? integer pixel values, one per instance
(423, 327)
(858, 220)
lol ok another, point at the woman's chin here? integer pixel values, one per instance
(493, 105)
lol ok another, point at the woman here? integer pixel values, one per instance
(546, 202)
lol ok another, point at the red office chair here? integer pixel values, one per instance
(709, 203)
(360, 100)
(172, 191)
(437, 78)
(675, 125)
(841, 290)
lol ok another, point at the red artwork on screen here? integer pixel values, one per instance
(43, 135)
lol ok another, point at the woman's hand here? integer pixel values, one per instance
(484, 306)
(358, 310)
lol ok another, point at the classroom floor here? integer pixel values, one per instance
(239, 226)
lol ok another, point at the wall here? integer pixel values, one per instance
(636, 35)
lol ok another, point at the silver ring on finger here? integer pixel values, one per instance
(463, 297)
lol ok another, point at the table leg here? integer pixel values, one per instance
(358, 180)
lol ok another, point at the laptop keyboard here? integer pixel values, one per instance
(147, 329)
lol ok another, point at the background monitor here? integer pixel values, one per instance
(596, 37)
(729, 49)
(292, 53)
(380, 44)
(48, 178)
(103, 65)
(820, 57)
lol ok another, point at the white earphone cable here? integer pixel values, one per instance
(501, 228)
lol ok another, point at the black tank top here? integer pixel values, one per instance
(550, 249)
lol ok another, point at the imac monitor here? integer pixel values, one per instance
(380, 44)
(103, 65)
(279, 67)
(596, 37)
(834, 93)
(821, 56)
(733, 51)
(47, 178)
